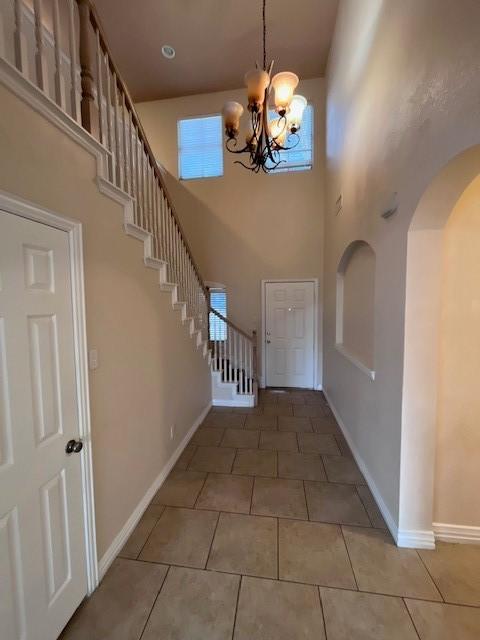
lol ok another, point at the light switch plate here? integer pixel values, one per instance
(93, 359)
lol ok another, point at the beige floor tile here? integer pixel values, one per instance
(139, 536)
(245, 544)
(184, 460)
(181, 536)
(300, 466)
(241, 438)
(371, 506)
(294, 423)
(154, 510)
(342, 469)
(216, 410)
(224, 420)
(325, 425)
(226, 493)
(279, 497)
(382, 567)
(261, 421)
(309, 411)
(294, 399)
(278, 441)
(278, 410)
(275, 610)
(337, 503)
(435, 621)
(318, 443)
(194, 605)
(207, 437)
(314, 553)
(248, 410)
(253, 462)
(455, 569)
(120, 606)
(180, 489)
(212, 459)
(350, 615)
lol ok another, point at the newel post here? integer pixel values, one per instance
(254, 356)
(86, 75)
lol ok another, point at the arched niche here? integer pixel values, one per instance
(424, 285)
(355, 305)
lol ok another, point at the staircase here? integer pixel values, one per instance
(59, 49)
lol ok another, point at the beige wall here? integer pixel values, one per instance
(150, 375)
(401, 102)
(457, 476)
(358, 304)
(243, 227)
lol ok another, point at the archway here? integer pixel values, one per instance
(422, 356)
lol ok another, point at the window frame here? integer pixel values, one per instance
(200, 117)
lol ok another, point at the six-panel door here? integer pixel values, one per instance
(42, 549)
(289, 334)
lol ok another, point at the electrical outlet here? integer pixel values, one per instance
(172, 432)
(93, 359)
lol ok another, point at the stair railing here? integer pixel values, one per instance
(73, 66)
(234, 353)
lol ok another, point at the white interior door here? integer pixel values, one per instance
(42, 548)
(289, 334)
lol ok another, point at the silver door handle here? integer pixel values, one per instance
(268, 341)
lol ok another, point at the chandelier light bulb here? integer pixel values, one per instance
(278, 130)
(232, 112)
(257, 81)
(295, 113)
(284, 84)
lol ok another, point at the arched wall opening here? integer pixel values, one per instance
(439, 279)
(355, 305)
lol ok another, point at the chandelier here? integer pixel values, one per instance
(267, 135)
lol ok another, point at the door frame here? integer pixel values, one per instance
(18, 206)
(263, 377)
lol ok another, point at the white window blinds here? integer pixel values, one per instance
(300, 158)
(218, 328)
(200, 151)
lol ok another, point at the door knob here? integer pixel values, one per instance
(74, 446)
(268, 341)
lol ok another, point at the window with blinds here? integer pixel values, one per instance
(218, 301)
(200, 151)
(300, 158)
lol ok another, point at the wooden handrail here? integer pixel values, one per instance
(231, 324)
(87, 101)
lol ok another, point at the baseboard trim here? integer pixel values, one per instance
(458, 533)
(387, 516)
(123, 535)
(242, 401)
(416, 539)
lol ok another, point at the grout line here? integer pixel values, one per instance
(411, 617)
(251, 496)
(236, 606)
(364, 506)
(201, 489)
(307, 584)
(211, 541)
(306, 501)
(430, 575)
(349, 559)
(233, 461)
(278, 549)
(154, 603)
(150, 533)
(323, 613)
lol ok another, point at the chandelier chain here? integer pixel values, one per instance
(264, 36)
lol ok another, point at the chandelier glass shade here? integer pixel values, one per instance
(274, 116)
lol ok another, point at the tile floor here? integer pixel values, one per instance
(266, 530)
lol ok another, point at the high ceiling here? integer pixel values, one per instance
(216, 41)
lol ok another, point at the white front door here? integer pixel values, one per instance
(42, 544)
(289, 334)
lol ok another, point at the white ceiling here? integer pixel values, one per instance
(216, 41)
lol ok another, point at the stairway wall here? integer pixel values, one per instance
(244, 227)
(150, 374)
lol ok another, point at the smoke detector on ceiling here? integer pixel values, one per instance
(168, 51)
